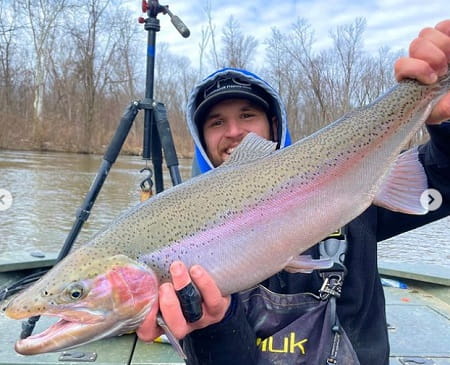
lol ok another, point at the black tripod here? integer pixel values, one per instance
(157, 139)
(157, 133)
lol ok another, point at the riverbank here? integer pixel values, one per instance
(27, 145)
(58, 135)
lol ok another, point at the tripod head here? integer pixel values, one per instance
(153, 8)
(157, 138)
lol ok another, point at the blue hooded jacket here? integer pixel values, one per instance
(361, 307)
(201, 161)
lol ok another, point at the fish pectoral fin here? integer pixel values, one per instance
(170, 336)
(306, 264)
(403, 186)
(251, 148)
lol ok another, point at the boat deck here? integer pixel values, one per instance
(418, 323)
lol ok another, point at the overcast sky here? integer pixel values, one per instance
(392, 23)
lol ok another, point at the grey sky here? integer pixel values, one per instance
(392, 23)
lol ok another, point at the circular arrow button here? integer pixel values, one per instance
(431, 199)
(6, 199)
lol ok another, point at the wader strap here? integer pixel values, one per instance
(333, 247)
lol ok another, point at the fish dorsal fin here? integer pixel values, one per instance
(252, 147)
(403, 186)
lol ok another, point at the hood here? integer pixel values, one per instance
(201, 162)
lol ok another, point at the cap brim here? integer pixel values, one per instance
(203, 108)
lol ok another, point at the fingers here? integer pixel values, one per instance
(172, 312)
(169, 307)
(214, 305)
(433, 47)
(429, 55)
(149, 330)
(180, 275)
(188, 295)
(444, 26)
(441, 111)
(410, 68)
(213, 299)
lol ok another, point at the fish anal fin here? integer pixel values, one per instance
(403, 186)
(306, 264)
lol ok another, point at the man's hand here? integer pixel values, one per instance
(429, 58)
(214, 304)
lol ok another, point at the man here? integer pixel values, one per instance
(221, 111)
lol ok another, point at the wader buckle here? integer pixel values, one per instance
(332, 285)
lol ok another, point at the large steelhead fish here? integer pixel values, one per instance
(243, 222)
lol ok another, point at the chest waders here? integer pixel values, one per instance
(303, 328)
(335, 248)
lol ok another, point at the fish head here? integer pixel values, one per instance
(102, 298)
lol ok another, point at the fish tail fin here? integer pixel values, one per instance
(403, 186)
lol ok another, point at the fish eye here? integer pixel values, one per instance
(75, 291)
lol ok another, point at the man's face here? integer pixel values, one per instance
(227, 123)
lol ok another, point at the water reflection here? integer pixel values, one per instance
(48, 188)
(429, 244)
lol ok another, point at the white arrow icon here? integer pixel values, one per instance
(431, 199)
(6, 199)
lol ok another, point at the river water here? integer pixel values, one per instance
(48, 188)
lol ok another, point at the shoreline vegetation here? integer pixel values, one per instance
(67, 74)
(62, 139)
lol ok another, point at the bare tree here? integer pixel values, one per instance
(203, 45)
(15, 81)
(378, 75)
(237, 50)
(8, 34)
(281, 74)
(321, 86)
(348, 66)
(309, 76)
(127, 65)
(97, 41)
(174, 78)
(86, 39)
(212, 34)
(81, 76)
(42, 18)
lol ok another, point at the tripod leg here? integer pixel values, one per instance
(168, 146)
(85, 209)
(108, 159)
(121, 133)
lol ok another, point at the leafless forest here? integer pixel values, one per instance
(68, 69)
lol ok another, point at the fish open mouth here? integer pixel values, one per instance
(60, 325)
(61, 335)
